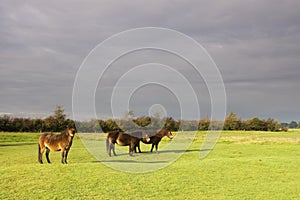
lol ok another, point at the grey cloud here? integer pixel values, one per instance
(254, 44)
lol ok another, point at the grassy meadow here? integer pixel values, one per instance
(243, 165)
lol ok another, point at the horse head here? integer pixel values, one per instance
(71, 132)
(169, 134)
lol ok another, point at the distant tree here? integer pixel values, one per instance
(284, 126)
(216, 125)
(293, 124)
(142, 121)
(204, 124)
(17, 124)
(255, 124)
(112, 125)
(5, 123)
(60, 118)
(186, 125)
(232, 122)
(272, 125)
(171, 124)
(50, 124)
(103, 126)
(27, 125)
(298, 124)
(156, 122)
(38, 125)
(69, 123)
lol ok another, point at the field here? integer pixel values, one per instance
(243, 165)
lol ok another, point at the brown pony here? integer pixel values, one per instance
(156, 138)
(124, 139)
(56, 142)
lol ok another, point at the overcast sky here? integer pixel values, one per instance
(255, 45)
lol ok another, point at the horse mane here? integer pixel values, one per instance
(162, 132)
(63, 134)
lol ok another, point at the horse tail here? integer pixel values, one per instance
(39, 152)
(107, 145)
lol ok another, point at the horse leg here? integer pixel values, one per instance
(152, 147)
(108, 147)
(137, 146)
(131, 149)
(40, 153)
(47, 155)
(66, 155)
(113, 149)
(156, 148)
(63, 154)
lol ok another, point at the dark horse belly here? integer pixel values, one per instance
(153, 140)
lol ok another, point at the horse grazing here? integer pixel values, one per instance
(124, 139)
(56, 142)
(156, 138)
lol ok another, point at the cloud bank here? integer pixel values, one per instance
(255, 44)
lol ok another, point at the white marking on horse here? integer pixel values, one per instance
(119, 142)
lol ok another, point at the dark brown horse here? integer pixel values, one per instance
(156, 138)
(124, 139)
(56, 142)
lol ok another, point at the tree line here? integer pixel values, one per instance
(54, 123)
(58, 122)
(232, 122)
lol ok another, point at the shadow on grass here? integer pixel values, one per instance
(125, 158)
(163, 151)
(147, 153)
(129, 161)
(16, 144)
(178, 151)
(167, 151)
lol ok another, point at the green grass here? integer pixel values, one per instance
(243, 165)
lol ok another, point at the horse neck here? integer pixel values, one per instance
(65, 134)
(161, 133)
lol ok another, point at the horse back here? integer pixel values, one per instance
(44, 138)
(55, 141)
(138, 134)
(125, 139)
